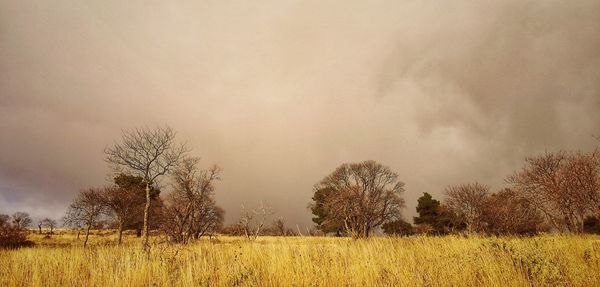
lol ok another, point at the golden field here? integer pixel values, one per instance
(549, 260)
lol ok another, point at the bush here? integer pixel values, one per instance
(591, 225)
(398, 227)
(12, 236)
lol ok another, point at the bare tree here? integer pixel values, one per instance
(12, 236)
(252, 221)
(360, 196)
(191, 210)
(134, 189)
(148, 153)
(49, 223)
(86, 210)
(468, 203)
(563, 186)
(21, 220)
(509, 212)
(279, 227)
(124, 206)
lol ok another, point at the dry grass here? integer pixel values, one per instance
(307, 261)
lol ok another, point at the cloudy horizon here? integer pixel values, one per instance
(280, 93)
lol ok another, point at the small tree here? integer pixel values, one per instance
(428, 210)
(398, 228)
(86, 210)
(468, 202)
(252, 221)
(278, 227)
(49, 223)
(191, 210)
(11, 236)
(124, 206)
(508, 212)
(135, 190)
(21, 220)
(148, 153)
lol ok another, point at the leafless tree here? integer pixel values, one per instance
(563, 186)
(148, 153)
(21, 220)
(49, 223)
(279, 227)
(191, 210)
(362, 196)
(124, 206)
(235, 229)
(509, 212)
(253, 221)
(468, 203)
(86, 210)
(12, 236)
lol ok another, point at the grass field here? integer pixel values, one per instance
(306, 261)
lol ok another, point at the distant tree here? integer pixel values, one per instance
(564, 187)
(11, 235)
(235, 229)
(448, 221)
(135, 187)
(191, 210)
(125, 206)
(398, 227)
(508, 212)
(438, 218)
(21, 220)
(39, 225)
(428, 210)
(253, 221)
(49, 223)
(148, 153)
(468, 203)
(361, 196)
(278, 227)
(431, 213)
(86, 210)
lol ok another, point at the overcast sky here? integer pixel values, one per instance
(279, 93)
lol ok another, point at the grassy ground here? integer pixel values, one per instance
(306, 261)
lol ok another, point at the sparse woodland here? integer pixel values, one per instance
(158, 223)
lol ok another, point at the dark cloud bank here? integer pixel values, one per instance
(279, 93)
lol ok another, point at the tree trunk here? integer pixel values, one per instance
(120, 231)
(87, 234)
(40, 228)
(146, 216)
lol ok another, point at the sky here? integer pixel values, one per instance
(280, 93)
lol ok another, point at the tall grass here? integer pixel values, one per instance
(309, 261)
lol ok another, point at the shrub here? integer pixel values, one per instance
(11, 236)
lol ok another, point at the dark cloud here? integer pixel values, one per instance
(279, 93)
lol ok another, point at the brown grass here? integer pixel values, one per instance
(306, 261)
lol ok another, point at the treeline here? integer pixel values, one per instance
(553, 192)
(133, 200)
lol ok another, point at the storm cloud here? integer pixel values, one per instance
(279, 93)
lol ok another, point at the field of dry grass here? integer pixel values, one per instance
(306, 261)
